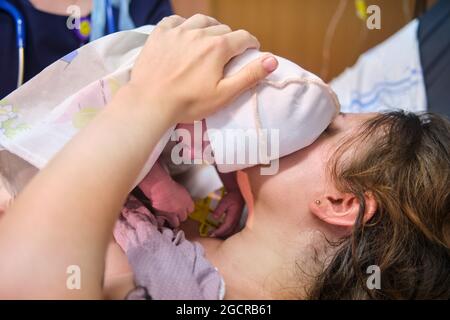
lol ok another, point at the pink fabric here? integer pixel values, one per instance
(164, 263)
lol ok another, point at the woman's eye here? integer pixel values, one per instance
(329, 130)
(325, 132)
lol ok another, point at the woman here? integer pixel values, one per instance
(372, 193)
(314, 228)
(373, 190)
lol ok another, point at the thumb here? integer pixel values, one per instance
(248, 77)
(221, 208)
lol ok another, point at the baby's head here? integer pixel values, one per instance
(284, 113)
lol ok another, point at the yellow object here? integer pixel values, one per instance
(203, 212)
(85, 28)
(361, 9)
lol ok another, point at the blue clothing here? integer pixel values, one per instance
(48, 38)
(434, 44)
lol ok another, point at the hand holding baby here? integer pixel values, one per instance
(178, 78)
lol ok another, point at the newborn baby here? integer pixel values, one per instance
(172, 202)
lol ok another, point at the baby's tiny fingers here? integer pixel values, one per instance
(221, 208)
(226, 228)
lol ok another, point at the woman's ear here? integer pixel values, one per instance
(341, 209)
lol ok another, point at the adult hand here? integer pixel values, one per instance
(180, 69)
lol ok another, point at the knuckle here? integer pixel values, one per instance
(205, 20)
(213, 20)
(244, 33)
(226, 28)
(200, 17)
(197, 34)
(162, 22)
(175, 31)
(221, 43)
(167, 21)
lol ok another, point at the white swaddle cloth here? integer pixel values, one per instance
(40, 117)
(287, 112)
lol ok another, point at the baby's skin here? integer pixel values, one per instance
(172, 202)
(5, 198)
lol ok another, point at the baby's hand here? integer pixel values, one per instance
(175, 205)
(231, 205)
(170, 200)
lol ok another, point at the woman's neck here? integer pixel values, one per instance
(244, 266)
(257, 264)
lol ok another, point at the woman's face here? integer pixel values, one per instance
(302, 177)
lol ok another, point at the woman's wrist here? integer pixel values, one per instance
(148, 106)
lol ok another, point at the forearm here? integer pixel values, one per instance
(65, 215)
(74, 201)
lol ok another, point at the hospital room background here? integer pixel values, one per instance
(297, 29)
(329, 37)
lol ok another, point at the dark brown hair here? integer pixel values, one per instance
(403, 160)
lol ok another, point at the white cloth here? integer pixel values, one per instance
(388, 76)
(291, 102)
(40, 117)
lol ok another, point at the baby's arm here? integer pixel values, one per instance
(231, 205)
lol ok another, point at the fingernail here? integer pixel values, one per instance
(270, 64)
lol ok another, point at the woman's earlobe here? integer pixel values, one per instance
(342, 209)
